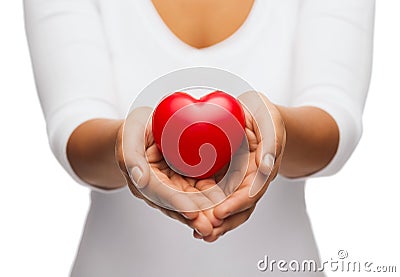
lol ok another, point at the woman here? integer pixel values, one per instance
(311, 59)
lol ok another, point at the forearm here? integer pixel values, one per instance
(312, 138)
(91, 153)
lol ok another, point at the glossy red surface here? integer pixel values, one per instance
(198, 137)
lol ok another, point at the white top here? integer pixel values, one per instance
(91, 57)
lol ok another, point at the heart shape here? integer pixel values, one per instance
(198, 137)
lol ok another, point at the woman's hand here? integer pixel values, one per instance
(306, 140)
(173, 194)
(253, 167)
(266, 137)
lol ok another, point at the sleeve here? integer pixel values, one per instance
(72, 68)
(332, 66)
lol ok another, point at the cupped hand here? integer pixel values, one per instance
(150, 178)
(266, 135)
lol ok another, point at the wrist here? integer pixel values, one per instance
(312, 140)
(91, 152)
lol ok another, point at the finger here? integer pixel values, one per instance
(192, 219)
(260, 182)
(213, 192)
(186, 218)
(174, 194)
(201, 225)
(270, 133)
(237, 170)
(161, 190)
(198, 221)
(229, 224)
(154, 155)
(278, 125)
(133, 188)
(174, 215)
(215, 222)
(197, 235)
(260, 109)
(134, 143)
(190, 215)
(209, 188)
(240, 199)
(264, 173)
(203, 199)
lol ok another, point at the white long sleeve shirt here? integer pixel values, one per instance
(92, 57)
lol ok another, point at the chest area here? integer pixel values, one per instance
(201, 24)
(142, 48)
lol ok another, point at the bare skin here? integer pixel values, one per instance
(203, 23)
(307, 137)
(309, 151)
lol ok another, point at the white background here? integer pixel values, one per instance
(42, 211)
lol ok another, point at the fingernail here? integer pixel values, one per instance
(227, 215)
(136, 175)
(198, 232)
(185, 216)
(268, 163)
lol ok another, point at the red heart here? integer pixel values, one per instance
(198, 137)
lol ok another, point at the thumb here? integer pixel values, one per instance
(262, 113)
(134, 139)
